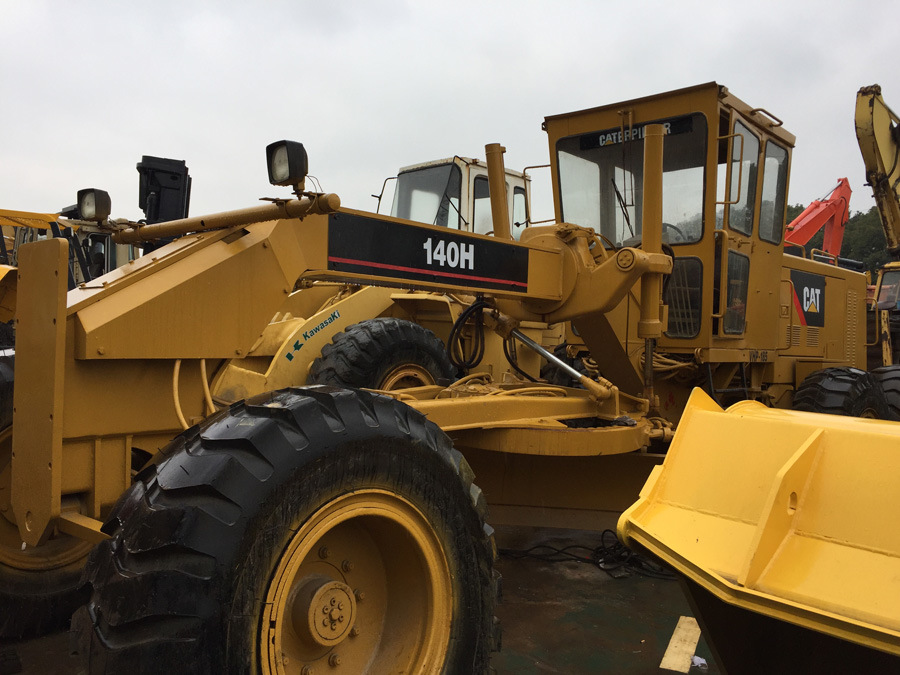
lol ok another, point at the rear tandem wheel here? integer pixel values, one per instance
(841, 391)
(38, 586)
(888, 379)
(307, 527)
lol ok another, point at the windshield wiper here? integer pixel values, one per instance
(622, 206)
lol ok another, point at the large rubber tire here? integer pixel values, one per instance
(39, 587)
(841, 391)
(225, 548)
(382, 353)
(34, 602)
(888, 380)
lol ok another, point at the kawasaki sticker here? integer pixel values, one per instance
(307, 334)
(809, 297)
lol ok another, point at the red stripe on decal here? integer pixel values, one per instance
(416, 270)
(799, 307)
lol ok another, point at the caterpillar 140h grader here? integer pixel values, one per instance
(238, 526)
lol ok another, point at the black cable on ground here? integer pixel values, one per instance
(610, 556)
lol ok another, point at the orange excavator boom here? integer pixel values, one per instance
(830, 213)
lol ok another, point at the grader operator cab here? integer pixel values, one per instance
(246, 525)
(455, 193)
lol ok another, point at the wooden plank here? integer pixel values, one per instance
(680, 652)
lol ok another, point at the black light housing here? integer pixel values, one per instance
(165, 189)
(94, 204)
(287, 163)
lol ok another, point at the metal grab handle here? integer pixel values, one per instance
(777, 122)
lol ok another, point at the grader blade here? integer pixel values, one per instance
(778, 522)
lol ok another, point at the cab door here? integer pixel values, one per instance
(748, 235)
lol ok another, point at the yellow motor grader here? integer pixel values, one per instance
(237, 523)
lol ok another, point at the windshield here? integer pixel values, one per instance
(429, 195)
(601, 181)
(889, 293)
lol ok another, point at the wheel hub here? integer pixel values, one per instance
(363, 580)
(324, 610)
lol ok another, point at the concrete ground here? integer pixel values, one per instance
(573, 618)
(558, 618)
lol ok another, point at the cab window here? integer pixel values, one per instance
(520, 212)
(774, 191)
(482, 223)
(601, 181)
(429, 195)
(744, 165)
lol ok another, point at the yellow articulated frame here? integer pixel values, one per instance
(288, 347)
(785, 514)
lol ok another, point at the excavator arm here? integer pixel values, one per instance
(830, 213)
(878, 133)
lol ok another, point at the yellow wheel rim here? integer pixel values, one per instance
(362, 587)
(405, 376)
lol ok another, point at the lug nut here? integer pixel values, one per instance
(334, 660)
(354, 631)
(307, 670)
(347, 566)
(323, 552)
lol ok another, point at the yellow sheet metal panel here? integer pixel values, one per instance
(166, 311)
(784, 513)
(38, 395)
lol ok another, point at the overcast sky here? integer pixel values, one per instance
(372, 85)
